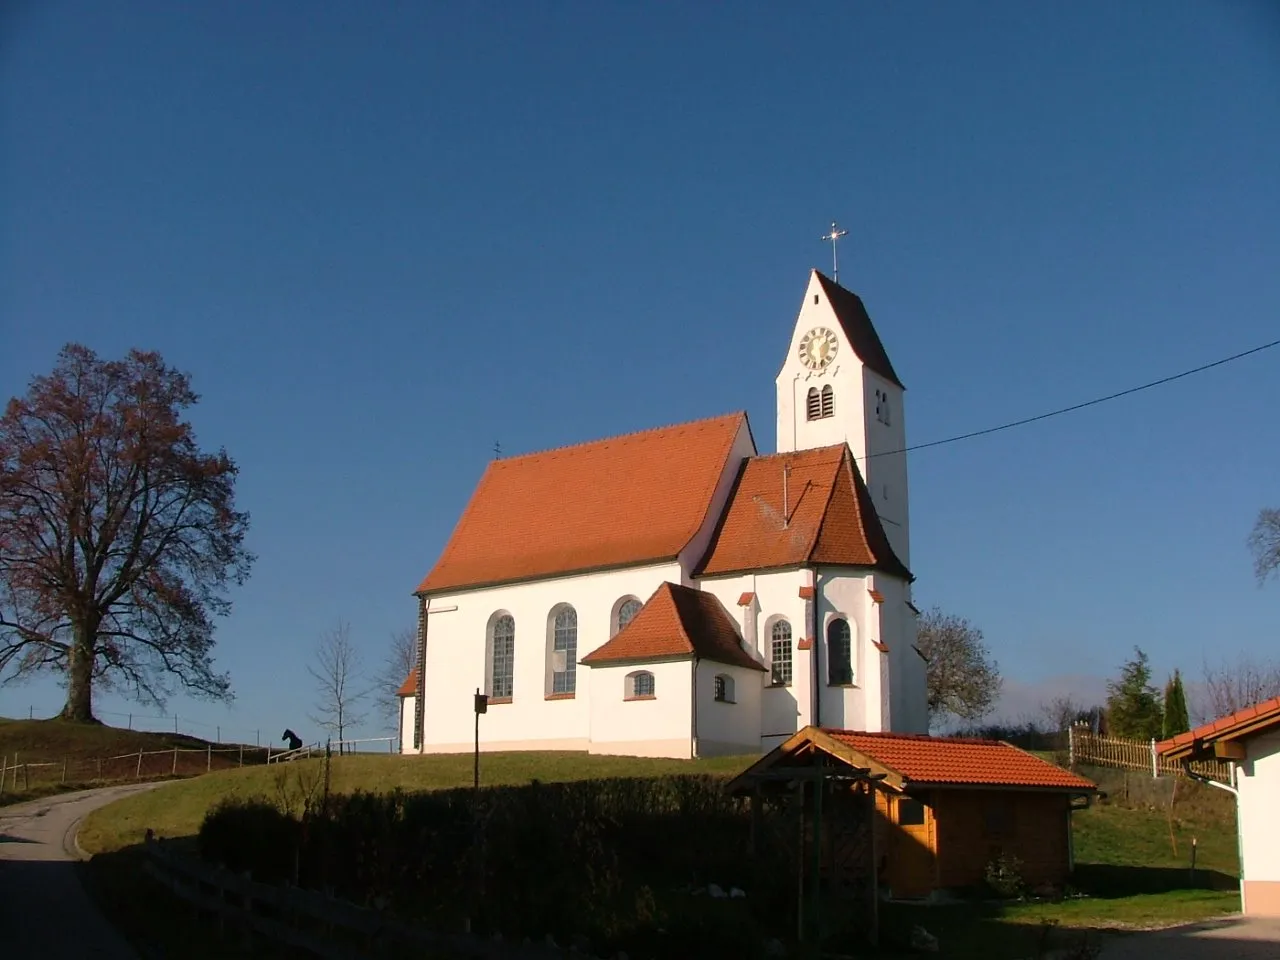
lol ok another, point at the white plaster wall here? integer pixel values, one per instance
(661, 727)
(728, 728)
(783, 710)
(455, 660)
(842, 592)
(1259, 786)
(908, 691)
(406, 724)
(883, 466)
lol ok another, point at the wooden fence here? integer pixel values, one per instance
(1087, 747)
(320, 925)
(18, 772)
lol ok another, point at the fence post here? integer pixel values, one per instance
(219, 736)
(4, 768)
(131, 721)
(174, 771)
(241, 763)
(175, 723)
(208, 758)
(1071, 745)
(99, 768)
(1155, 766)
(138, 774)
(64, 770)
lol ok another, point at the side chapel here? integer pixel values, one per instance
(677, 593)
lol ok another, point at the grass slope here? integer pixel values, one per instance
(48, 740)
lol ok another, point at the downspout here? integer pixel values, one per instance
(812, 628)
(693, 727)
(1235, 792)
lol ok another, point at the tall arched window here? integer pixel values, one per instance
(502, 656)
(564, 649)
(828, 401)
(780, 652)
(626, 611)
(839, 652)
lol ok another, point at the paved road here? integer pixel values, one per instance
(44, 911)
(1236, 938)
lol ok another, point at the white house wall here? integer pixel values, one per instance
(657, 727)
(1259, 786)
(456, 659)
(728, 728)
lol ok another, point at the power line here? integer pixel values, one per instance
(1080, 406)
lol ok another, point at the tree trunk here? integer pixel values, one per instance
(79, 705)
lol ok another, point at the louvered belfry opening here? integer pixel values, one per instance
(814, 406)
(820, 404)
(828, 401)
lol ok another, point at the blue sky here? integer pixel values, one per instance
(382, 237)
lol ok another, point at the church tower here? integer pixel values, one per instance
(837, 385)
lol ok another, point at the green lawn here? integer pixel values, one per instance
(177, 810)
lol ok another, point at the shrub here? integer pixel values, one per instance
(1004, 877)
(251, 835)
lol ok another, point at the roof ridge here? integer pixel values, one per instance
(921, 737)
(809, 451)
(599, 441)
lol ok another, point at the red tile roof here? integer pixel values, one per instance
(954, 761)
(857, 326)
(830, 517)
(676, 622)
(746, 599)
(631, 499)
(409, 687)
(1250, 720)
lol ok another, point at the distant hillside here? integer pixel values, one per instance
(36, 740)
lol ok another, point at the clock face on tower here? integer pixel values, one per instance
(818, 348)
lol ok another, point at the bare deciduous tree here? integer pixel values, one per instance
(1264, 543)
(399, 663)
(963, 679)
(119, 536)
(1229, 687)
(337, 673)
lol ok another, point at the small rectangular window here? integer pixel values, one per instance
(910, 812)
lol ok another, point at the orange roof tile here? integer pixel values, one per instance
(409, 687)
(807, 593)
(857, 326)
(631, 499)
(677, 622)
(746, 599)
(954, 761)
(830, 517)
(1252, 719)
(876, 596)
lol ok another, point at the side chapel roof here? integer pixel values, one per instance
(676, 622)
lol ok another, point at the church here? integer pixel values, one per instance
(677, 593)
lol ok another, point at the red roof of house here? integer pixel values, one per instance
(858, 328)
(1252, 719)
(954, 761)
(409, 687)
(637, 498)
(676, 621)
(829, 517)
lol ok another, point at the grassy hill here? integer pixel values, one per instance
(54, 739)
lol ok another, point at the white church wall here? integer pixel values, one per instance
(657, 726)
(695, 550)
(784, 709)
(406, 724)
(908, 694)
(842, 593)
(534, 719)
(884, 465)
(728, 727)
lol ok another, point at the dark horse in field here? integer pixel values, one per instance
(295, 741)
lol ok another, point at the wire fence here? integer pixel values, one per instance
(20, 773)
(1085, 746)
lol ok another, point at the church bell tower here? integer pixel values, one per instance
(838, 386)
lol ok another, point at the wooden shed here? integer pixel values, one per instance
(946, 807)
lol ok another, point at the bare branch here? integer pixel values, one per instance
(337, 672)
(400, 659)
(1264, 543)
(963, 680)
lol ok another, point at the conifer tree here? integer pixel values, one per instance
(1176, 718)
(1133, 704)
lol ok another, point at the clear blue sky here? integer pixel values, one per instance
(381, 237)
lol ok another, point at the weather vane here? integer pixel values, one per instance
(834, 237)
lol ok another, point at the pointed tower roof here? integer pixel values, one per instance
(822, 514)
(677, 622)
(858, 328)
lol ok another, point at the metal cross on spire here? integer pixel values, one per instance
(833, 237)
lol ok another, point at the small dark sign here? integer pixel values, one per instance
(482, 703)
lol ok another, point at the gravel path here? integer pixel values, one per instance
(1236, 938)
(44, 910)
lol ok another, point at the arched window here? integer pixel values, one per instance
(813, 405)
(839, 652)
(501, 666)
(564, 649)
(626, 610)
(639, 686)
(828, 401)
(780, 653)
(723, 688)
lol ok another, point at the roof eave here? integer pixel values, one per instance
(421, 593)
